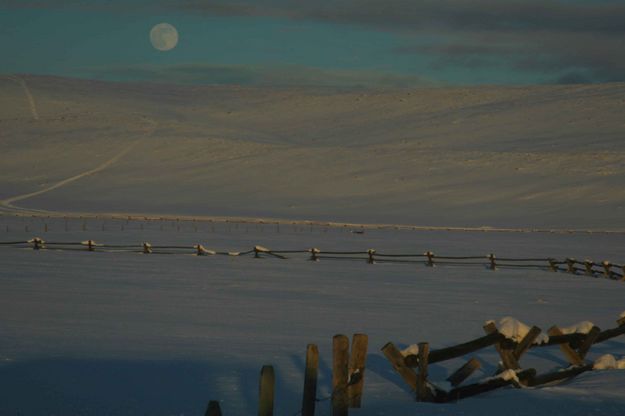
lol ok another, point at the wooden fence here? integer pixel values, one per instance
(413, 368)
(490, 261)
(349, 363)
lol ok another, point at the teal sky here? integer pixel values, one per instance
(277, 42)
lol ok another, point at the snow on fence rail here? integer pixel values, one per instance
(590, 268)
(512, 340)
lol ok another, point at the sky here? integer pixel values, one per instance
(371, 43)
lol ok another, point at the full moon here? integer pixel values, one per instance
(164, 37)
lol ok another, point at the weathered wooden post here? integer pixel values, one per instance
(423, 390)
(147, 248)
(590, 339)
(90, 245)
(526, 342)
(430, 256)
(371, 252)
(588, 265)
(213, 409)
(552, 265)
(310, 380)
(607, 269)
(508, 359)
(357, 362)
(37, 243)
(314, 254)
(266, 391)
(340, 362)
(571, 355)
(393, 355)
(570, 265)
(491, 259)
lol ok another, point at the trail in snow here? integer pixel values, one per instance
(7, 204)
(29, 96)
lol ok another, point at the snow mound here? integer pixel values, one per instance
(516, 330)
(583, 327)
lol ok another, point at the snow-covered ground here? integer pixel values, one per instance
(125, 334)
(537, 156)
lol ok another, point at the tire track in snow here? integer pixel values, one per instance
(29, 96)
(7, 204)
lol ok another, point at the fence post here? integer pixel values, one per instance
(423, 391)
(571, 355)
(430, 255)
(570, 265)
(314, 254)
(265, 399)
(371, 252)
(340, 358)
(508, 359)
(310, 380)
(357, 361)
(90, 245)
(606, 269)
(491, 258)
(393, 355)
(213, 409)
(588, 265)
(552, 265)
(588, 341)
(147, 248)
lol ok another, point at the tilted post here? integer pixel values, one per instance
(423, 390)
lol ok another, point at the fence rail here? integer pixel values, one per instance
(590, 268)
(574, 346)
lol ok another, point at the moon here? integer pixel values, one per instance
(164, 37)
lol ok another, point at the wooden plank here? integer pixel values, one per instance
(558, 375)
(571, 355)
(489, 385)
(357, 362)
(507, 354)
(340, 366)
(266, 391)
(464, 372)
(591, 337)
(393, 355)
(526, 342)
(423, 391)
(611, 333)
(310, 380)
(213, 409)
(455, 351)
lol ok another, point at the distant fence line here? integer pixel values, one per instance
(570, 265)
